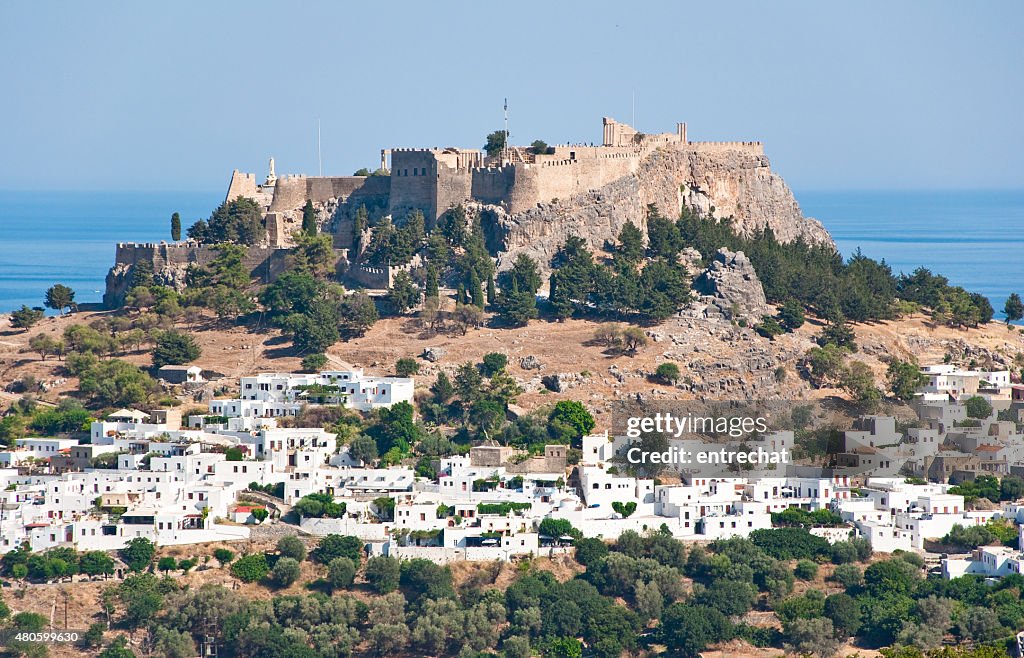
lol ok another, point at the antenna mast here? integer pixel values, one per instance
(319, 157)
(505, 149)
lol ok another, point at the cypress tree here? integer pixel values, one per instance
(176, 227)
(309, 218)
(432, 282)
(476, 293)
(358, 226)
(491, 295)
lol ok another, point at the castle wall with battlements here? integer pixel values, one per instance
(433, 180)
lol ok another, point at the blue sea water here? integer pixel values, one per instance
(975, 238)
(70, 237)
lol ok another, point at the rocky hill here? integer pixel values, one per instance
(733, 183)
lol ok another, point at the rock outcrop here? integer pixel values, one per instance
(729, 288)
(735, 184)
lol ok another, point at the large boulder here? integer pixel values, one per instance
(729, 288)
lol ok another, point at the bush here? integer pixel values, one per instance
(175, 348)
(406, 367)
(285, 572)
(383, 573)
(250, 568)
(291, 546)
(333, 546)
(806, 570)
(223, 555)
(314, 362)
(791, 543)
(138, 553)
(493, 363)
(341, 572)
(847, 575)
(668, 372)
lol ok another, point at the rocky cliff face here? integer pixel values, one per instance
(734, 183)
(729, 288)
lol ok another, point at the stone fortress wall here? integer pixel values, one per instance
(435, 179)
(533, 201)
(171, 261)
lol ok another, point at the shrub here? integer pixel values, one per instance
(806, 570)
(250, 568)
(291, 546)
(223, 555)
(332, 546)
(383, 573)
(314, 362)
(285, 572)
(341, 572)
(847, 575)
(668, 372)
(406, 367)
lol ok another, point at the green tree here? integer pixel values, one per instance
(815, 637)
(686, 629)
(539, 147)
(668, 372)
(493, 363)
(176, 227)
(859, 381)
(904, 378)
(1014, 308)
(403, 294)
(573, 415)
(96, 563)
(250, 568)
(496, 142)
(791, 315)
(364, 449)
(175, 347)
(223, 555)
(314, 362)
(631, 244)
(45, 345)
(166, 564)
(238, 221)
(837, 332)
(309, 226)
(60, 297)
(359, 224)
(25, 317)
(138, 553)
(769, 327)
(118, 649)
(341, 572)
(383, 573)
(806, 570)
(285, 572)
(978, 407)
(406, 367)
(358, 313)
(432, 283)
(332, 546)
(291, 546)
(564, 647)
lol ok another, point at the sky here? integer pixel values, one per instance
(173, 96)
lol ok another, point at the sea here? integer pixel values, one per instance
(974, 238)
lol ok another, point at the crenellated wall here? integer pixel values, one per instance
(171, 261)
(291, 192)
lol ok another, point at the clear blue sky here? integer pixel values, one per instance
(126, 95)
